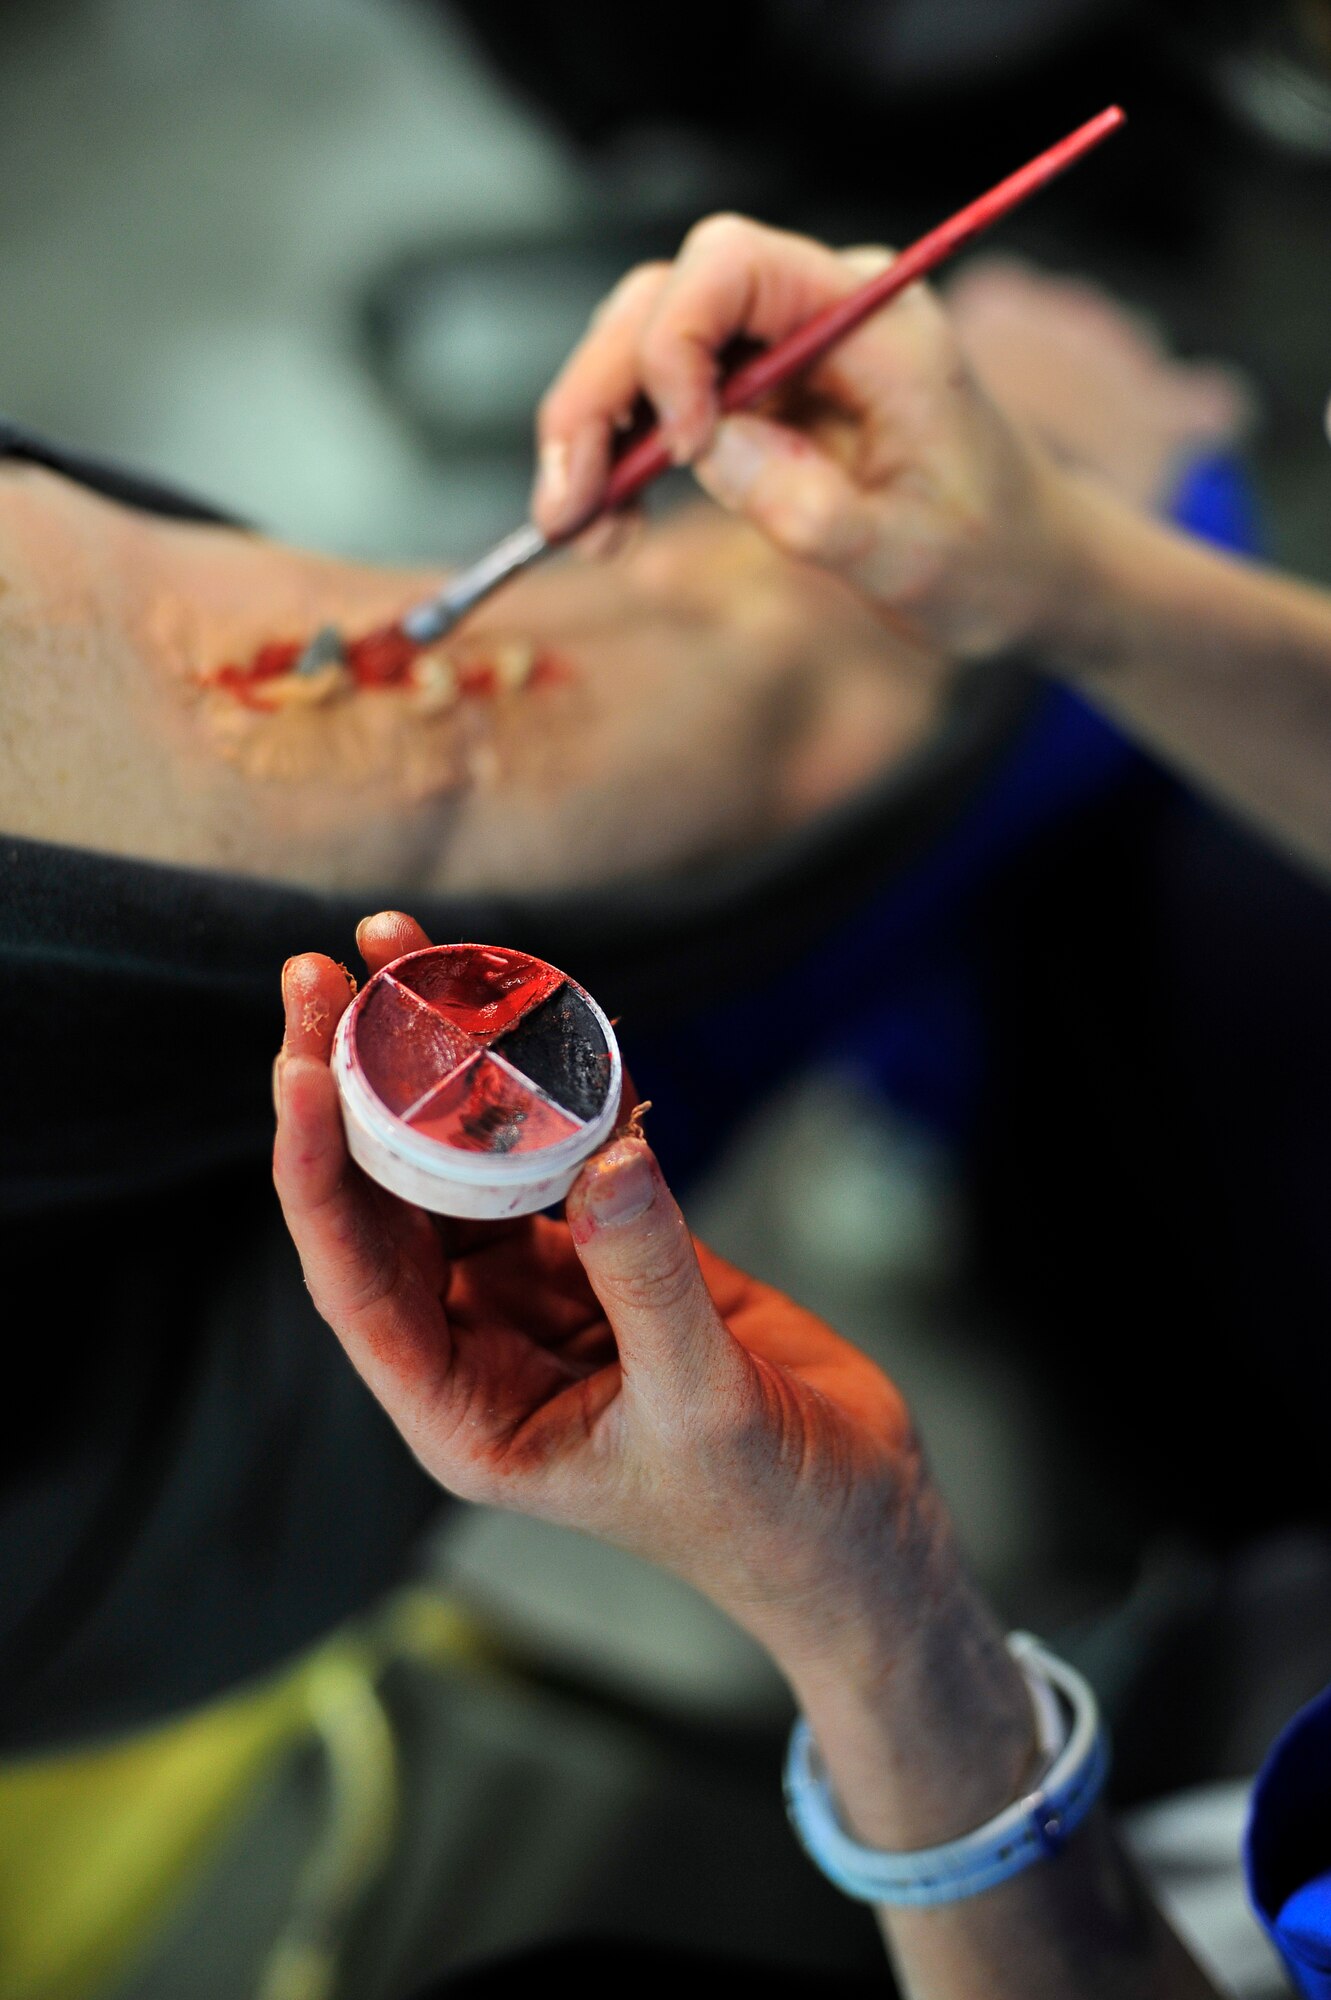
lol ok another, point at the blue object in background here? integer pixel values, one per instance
(1287, 1848)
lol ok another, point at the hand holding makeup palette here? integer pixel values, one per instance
(475, 1080)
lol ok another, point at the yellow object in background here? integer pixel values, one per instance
(99, 1847)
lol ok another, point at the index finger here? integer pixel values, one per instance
(315, 993)
(594, 392)
(732, 278)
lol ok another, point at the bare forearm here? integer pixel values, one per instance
(1081, 1928)
(1222, 667)
(930, 1745)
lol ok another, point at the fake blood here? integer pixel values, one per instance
(483, 991)
(381, 658)
(268, 664)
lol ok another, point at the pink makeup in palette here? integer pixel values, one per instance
(475, 1080)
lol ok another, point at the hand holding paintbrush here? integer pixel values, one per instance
(590, 472)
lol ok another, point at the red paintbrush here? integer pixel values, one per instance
(648, 457)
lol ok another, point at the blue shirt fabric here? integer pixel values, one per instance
(1289, 1848)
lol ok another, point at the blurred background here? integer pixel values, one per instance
(317, 258)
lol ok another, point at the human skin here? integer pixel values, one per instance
(1092, 380)
(893, 469)
(719, 692)
(712, 696)
(608, 1373)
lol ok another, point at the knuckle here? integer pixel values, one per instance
(865, 260)
(664, 1284)
(924, 321)
(803, 516)
(468, 1479)
(684, 1425)
(551, 411)
(719, 234)
(724, 1432)
(642, 278)
(660, 350)
(743, 1437)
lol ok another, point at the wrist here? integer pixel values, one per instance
(1098, 549)
(865, 1602)
(931, 1738)
(1036, 549)
(1060, 561)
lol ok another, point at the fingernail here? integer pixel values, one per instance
(286, 969)
(620, 1189)
(685, 435)
(552, 482)
(669, 419)
(729, 469)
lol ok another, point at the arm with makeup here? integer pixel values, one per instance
(788, 692)
(891, 467)
(608, 1373)
(119, 630)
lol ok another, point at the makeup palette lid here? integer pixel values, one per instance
(475, 1080)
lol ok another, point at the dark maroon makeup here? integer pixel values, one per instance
(482, 1049)
(405, 1046)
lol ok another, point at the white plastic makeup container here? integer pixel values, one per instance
(475, 1080)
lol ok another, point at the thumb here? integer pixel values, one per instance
(787, 486)
(674, 1348)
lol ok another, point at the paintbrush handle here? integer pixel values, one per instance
(648, 458)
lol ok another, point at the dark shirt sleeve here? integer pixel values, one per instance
(117, 482)
(194, 1487)
(1289, 1848)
